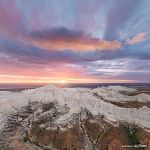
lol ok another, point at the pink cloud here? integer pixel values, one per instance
(11, 19)
(136, 39)
(62, 38)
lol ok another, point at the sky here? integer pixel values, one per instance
(74, 41)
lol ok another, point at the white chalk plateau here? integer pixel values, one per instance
(77, 98)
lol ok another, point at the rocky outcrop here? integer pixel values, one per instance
(51, 118)
(35, 127)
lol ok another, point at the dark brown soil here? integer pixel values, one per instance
(135, 104)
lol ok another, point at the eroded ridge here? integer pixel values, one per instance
(71, 119)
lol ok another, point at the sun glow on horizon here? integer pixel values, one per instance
(41, 79)
(4, 78)
(62, 81)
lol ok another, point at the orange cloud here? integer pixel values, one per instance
(61, 38)
(78, 44)
(136, 39)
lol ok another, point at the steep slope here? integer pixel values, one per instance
(72, 118)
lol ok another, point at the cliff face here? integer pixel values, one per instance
(36, 126)
(73, 119)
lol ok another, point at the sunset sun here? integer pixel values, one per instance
(62, 81)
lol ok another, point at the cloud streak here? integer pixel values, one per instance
(136, 39)
(62, 38)
(81, 41)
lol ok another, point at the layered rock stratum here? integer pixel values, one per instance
(54, 118)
